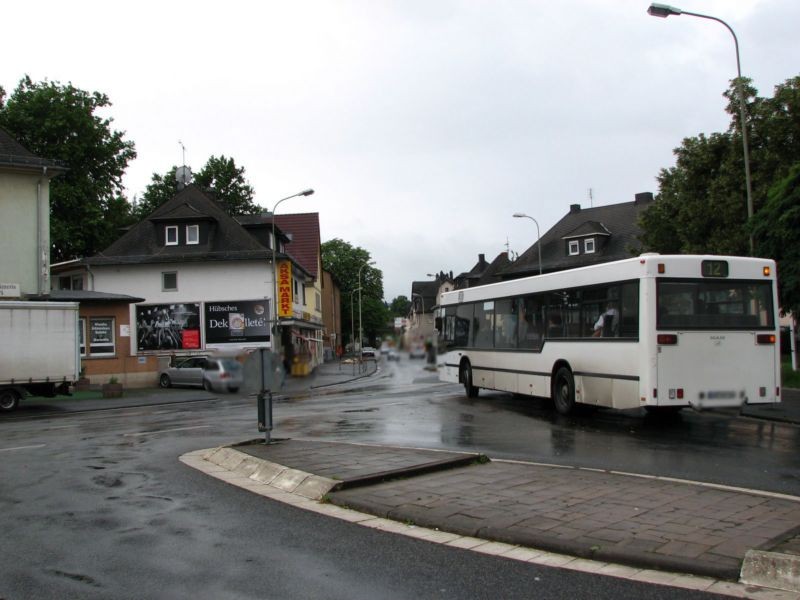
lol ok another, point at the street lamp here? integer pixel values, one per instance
(538, 237)
(663, 11)
(360, 327)
(353, 327)
(307, 192)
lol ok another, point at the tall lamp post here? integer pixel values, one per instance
(538, 237)
(664, 11)
(353, 326)
(360, 327)
(307, 192)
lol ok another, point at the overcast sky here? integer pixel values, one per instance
(422, 125)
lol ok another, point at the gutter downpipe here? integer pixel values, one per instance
(40, 256)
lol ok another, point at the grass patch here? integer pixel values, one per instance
(789, 378)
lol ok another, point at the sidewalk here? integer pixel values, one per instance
(327, 374)
(643, 522)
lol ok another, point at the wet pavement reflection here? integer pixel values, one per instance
(407, 406)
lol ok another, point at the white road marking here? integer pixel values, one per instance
(166, 430)
(23, 447)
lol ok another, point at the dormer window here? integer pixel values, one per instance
(574, 247)
(192, 234)
(588, 246)
(171, 235)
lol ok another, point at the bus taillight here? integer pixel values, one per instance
(765, 338)
(667, 339)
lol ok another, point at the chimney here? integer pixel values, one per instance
(643, 197)
(574, 208)
(481, 259)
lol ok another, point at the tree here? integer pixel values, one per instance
(343, 261)
(702, 203)
(219, 175)
(227, 180)
(776, 227)
(59, 122)
(160, 189)
(400, 306)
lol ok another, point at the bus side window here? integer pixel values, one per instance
(531, 325)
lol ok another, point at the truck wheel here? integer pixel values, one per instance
(164, 381)
(564, 391)
(9, 399)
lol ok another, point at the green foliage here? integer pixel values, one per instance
(227, 180)
(59, 122)
(776, 227)
(343, 261)
(400, 306)
(702, 202)
(219, 175)
(160, 189)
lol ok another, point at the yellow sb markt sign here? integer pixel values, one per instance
(284, 288)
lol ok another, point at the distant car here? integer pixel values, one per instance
(217, 374)
(385, 348)
(393, 355)
(417, 351)
(368, 352)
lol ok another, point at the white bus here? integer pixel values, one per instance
(655, 331)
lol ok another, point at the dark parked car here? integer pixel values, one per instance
(218, 374)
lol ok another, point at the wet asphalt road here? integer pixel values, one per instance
(96, 505)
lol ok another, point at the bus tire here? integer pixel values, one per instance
(9, 400)
(563, 393)
(466, 378)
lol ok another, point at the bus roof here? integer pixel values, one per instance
(642, 266)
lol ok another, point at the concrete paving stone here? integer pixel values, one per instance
(289, 479)
(610, 535)
(686, 549)
(676, 528)
(466, 542)
(565, 532)
(539, 523)
(639, 545)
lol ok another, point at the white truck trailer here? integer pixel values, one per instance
(39, 349)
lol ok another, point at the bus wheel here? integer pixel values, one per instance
(9, 399)
(466, 377)
(564, 391)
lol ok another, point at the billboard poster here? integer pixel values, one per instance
(168, 326)
(285, 289)
(237, 321)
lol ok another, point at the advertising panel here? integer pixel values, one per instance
(285, 289)
(168, 326)
(237, 321)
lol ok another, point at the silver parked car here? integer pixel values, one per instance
(217, 374)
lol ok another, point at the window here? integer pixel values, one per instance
(318, 301)
(171, 234)
(192, 234)
(82, 335)
(169, 281)
(531, 322)
(505, 323)
(574, 247)
(704, 304)
(483, 325)
(588, 246)
(101, 336)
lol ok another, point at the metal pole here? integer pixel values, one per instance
(661, 10)
(538, 237)
(275, 342)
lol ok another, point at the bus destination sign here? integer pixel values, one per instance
(714, 268)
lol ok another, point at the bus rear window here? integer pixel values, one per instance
(722, 304)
